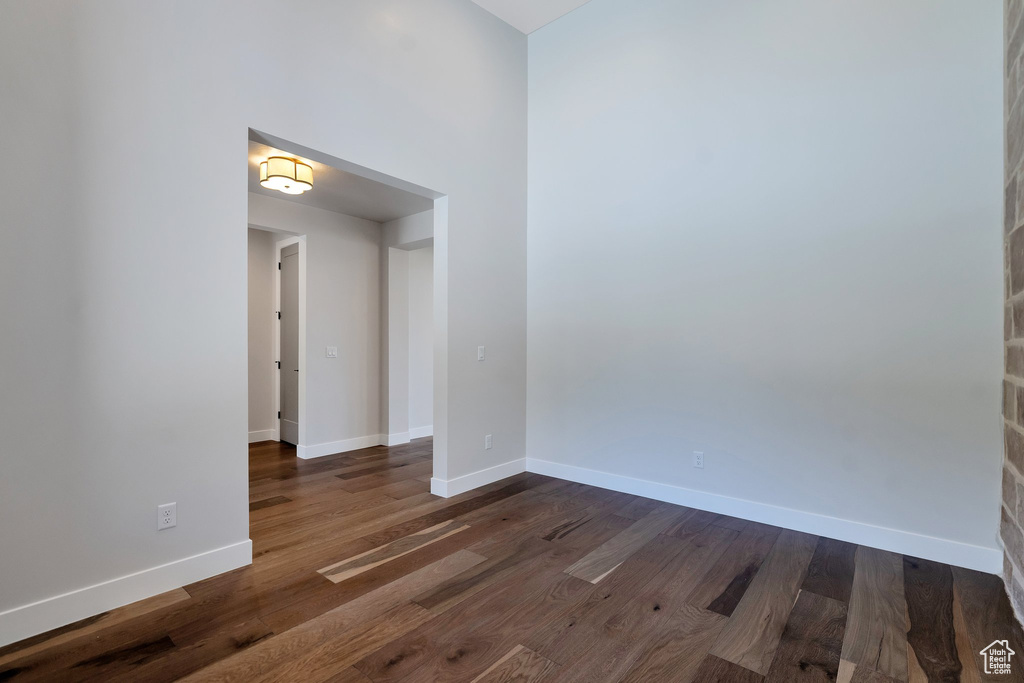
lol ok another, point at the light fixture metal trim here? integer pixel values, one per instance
(287, 175)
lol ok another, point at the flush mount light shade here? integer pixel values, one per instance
(286, 175)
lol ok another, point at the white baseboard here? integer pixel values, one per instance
(263, 435)
(453, 487)
(396, 439)
(333, 447)
(421, 432)
(980, 558)
(38, 617)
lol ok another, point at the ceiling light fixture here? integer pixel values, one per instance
(290, 176)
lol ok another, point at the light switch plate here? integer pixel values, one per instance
(332, 351)
(481, 352)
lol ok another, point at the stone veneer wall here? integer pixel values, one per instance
(1012, 517)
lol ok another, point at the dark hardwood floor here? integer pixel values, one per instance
(361, 575)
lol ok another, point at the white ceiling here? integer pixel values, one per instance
(529, 15)
(340, 191)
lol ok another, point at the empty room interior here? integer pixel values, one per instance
(512, 340)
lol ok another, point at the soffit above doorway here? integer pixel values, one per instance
(340, 191)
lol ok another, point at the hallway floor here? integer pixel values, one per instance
(360, 574)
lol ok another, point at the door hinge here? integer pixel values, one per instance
(279, 265)
(279, 315)
(279, 415)
(278, 364)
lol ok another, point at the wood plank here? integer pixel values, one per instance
(529, 512)
(479, 577)
(728, 579)
(915, 674)
(968, 657)
(848, 673)
(463, 653)
(344, 650)
(85, 627)
(691, 521)
(268, 502)
(831, 571)
(988, 617)
(570, 523)
(315, 602)
(391, 476)
(346, 569)
(348, 675)
(928, 590)
(812, 642)
(595, 651)
(734, 523)
(519, 664)
(450, 512)
(716, 670)
(317, 633)
(374, 469)
(638, 508)
(568, 638)
(403, 489)
(547, 509)
(466, 639)
(676, 652)
(112, 660)
(603, 560)
(875, 629)
(188, 658)
(321, 507)
(755, 628)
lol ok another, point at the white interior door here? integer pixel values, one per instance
(290, 344)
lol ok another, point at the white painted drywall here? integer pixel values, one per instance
(397, 342)
(410, 232)
(124, 372)
(770, 231)
(408, 355)
(342, 309)
(421, 341)
(262, 328)
(529, 15)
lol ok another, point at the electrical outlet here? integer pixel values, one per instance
(166, 516)
(698, 460)
(488, 442)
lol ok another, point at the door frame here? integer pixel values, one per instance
(439, 481)
(300, 240)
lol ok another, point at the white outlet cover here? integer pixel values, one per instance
(488, 442)
(166, 516)
(698, 459)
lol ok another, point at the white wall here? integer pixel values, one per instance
(410, 232)
(342, 309)
(421, 342)
(396, 335)
(770, 231)
(122, 392)
(409, 326)
(262, 328)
